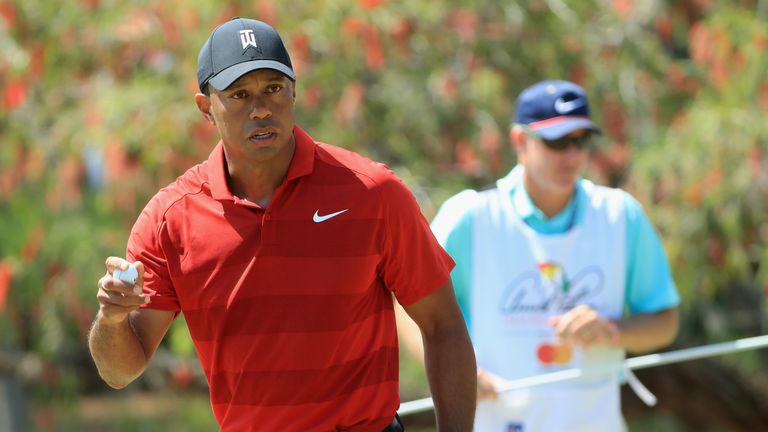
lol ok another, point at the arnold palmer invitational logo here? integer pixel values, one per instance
(550, 289)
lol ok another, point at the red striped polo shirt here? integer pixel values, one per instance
(290, 306)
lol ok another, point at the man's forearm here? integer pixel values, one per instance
(117, 352)
(452, 375)
(647, 332)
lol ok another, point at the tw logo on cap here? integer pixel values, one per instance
(247, 38)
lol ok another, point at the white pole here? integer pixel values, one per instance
(694, 353)
(640, 362)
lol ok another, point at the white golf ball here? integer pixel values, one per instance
(128, 276)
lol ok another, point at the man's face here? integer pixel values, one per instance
(554, 170)
(255, 116)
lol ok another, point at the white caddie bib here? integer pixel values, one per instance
(520, 279)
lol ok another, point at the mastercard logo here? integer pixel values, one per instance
(554, 354)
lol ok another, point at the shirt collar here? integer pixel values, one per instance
(523, 205)
(301, 164)
(532, 215)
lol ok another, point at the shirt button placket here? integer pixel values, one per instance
(268, 231)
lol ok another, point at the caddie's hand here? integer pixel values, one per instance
(117, 298)
(488, 385)
(582, 326)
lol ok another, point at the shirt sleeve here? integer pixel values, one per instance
(650, 286)
(413, 263)
(452, 226)
(146, 244)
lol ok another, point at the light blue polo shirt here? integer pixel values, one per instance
(649, 284)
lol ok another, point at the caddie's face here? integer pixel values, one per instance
(554, 170)
(255, 116)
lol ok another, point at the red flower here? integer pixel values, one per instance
(352, 26)
(490, 142)
(762, 97)
(182, 375)
(350, 103)
(664, 28)
(37, 64)
(310, 98)
(465, 23)
(623, 8)
(15, 95)
(266, 11)
(8, 13)
(466, 158)
(374, 53)
(300, 51)
(6, 276)
(370, 4)
(33, 244)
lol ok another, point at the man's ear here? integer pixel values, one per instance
(204, 105)
(517, 138)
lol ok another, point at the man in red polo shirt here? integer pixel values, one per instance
(284, 253)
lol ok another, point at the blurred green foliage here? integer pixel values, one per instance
(97, 113)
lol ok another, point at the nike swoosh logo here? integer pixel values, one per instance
(317, 218)
(563, 107)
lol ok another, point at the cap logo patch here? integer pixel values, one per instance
(247, 38)
(563, 107)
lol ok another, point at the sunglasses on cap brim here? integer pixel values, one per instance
(581, 142)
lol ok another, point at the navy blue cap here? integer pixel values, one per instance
(240, 46)
(553, 109)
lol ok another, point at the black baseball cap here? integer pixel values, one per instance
(554, 108)
(240, 46)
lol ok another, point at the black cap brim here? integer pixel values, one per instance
(225, 78)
